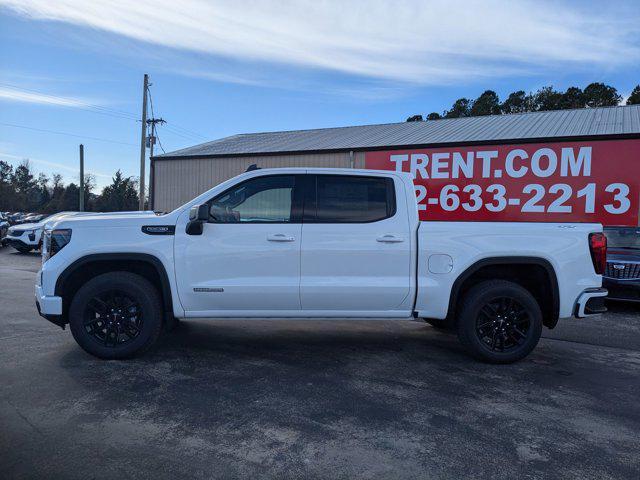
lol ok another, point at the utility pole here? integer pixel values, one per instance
(143, 139)
(152, 138)
(81, 178)
(152, 142)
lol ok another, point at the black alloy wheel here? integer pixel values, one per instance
(116, 315)
(113, 318)
(503, 324)
(499, 321)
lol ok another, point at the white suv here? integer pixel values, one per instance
(28, 236)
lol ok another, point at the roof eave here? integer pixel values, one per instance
(600, 137)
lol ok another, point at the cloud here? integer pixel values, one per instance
(14, 95)
(412, 41)
(13, 158)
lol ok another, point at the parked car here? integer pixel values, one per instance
(15, 217)
(34, 218)
(26, 237)
(622, 275)
(316, 243)
(4, 227)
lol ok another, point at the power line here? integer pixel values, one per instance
(77, 103)
(160, 144)
(66, 133)
(176, 129)
(101, 110)
(173, 128)
(153, 121)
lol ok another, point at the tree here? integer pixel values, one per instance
(57, 192)
(634, 98)
(434, 116)
(573, 97)
(487, 103)
(546, 99)
(601, 95)
(22, 190)
(89, 185)
(516, 102)
(70, 199)
(43, 190)
(7, 192)
(6, 172)
(121, 195)
(460, 108)
(22, 179)
(415, 118)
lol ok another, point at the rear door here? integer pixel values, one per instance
(356, 246)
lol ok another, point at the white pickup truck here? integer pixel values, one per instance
(316, 243)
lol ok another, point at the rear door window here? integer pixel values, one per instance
(352, 199)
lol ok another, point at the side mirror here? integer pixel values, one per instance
(198, 215)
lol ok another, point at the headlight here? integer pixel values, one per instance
(54, 241)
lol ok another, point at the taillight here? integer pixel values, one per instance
(598, 248)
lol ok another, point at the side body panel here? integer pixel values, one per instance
(361, 267)
(462, 244)
(234, 267)
(101, 235)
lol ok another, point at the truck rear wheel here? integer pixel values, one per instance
(116, 315)
(499, 321)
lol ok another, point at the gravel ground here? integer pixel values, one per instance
(314, 399)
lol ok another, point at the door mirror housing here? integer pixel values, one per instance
(198, 215)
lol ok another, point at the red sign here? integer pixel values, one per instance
(596, 181)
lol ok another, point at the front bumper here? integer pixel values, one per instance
(17, 244)
(49, 307)
(591, 302)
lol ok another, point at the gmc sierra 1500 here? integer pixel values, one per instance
(316, 243)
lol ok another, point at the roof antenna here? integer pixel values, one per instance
(252, 167)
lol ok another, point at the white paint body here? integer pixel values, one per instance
(398, 267)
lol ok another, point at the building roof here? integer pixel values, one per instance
(561, 124)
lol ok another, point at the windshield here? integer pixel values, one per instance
(623, 237)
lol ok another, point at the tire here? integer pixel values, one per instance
(116, 335)
(23, 249)
(499, 322)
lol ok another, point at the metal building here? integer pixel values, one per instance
(183, 174)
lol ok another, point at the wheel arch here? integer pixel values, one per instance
(514, 269)
(84, 268)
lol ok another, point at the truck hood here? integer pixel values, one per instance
(113, 220)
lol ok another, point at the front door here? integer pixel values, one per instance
(247, 260)
(356, 247)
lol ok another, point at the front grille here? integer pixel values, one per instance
(630, 271)
(17, 233)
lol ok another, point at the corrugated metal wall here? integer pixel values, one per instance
(178, 181)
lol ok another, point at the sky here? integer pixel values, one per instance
(71, 70)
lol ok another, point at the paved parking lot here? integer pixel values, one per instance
(314, 399)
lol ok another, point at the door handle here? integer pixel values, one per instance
(280, 237)
(389, 239)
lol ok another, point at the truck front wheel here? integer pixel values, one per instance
(499, 321)
(116, 315)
